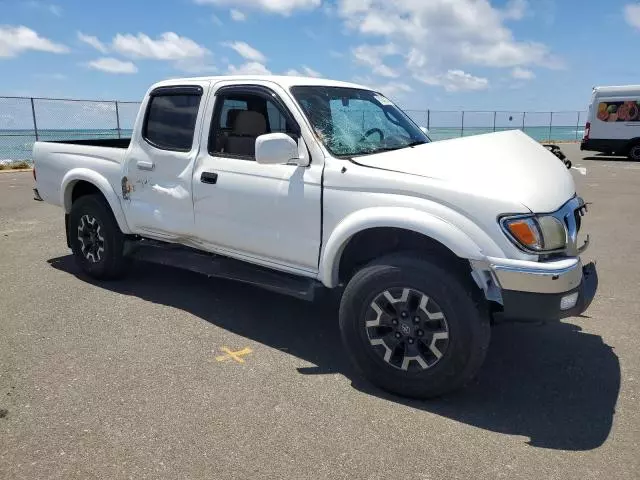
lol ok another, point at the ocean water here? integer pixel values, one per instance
(17, 144)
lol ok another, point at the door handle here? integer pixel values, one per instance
(209, 177)
(144, 165)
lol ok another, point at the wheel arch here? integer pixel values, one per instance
(414, 226)
(82, 181)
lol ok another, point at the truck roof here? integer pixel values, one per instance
(281, 80)
(617, 89)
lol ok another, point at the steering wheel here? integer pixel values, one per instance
(371, 131)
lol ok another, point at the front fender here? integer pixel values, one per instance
(404, 218)
(84, 174)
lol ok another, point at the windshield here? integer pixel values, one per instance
(351, 121)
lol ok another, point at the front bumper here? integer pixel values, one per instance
(545, 290)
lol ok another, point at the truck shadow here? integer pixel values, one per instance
(552, 383)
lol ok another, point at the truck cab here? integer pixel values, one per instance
(300, 185)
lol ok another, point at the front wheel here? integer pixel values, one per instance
(413, 327)
(96, 240)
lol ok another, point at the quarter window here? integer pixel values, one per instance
(171, 120)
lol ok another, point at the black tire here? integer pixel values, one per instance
(466, 318)
(634, 152)
(102, 258)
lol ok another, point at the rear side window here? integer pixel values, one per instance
(619, 111)
(171, 119)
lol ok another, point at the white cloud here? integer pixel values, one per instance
(336, 54)
(49, 7)
(112, 65)
(55, 10)
(448, 33)
(520, 73)
(237, 15)
(249, 68)
(169, 46)
(455, 81)
(373, 56)
(195, 66)
(15, 40)
(305, 72)
(515, 9)
(393, 89)
(216, 20)
(93, 41)
(246, 51)
(632, 14)
(51, 76)
(282, 7)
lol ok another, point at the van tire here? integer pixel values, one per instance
(96, 240)
(634, 152)
(466, 321)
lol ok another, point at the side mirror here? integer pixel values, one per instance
(276, 148)
(425, 130)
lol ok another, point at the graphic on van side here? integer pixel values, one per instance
(626, 111)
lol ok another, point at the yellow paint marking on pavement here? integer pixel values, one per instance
(236, 356)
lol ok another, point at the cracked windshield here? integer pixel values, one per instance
(353, 122)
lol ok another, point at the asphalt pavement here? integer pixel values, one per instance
(169, 374)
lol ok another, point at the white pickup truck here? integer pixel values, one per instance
(295, 184)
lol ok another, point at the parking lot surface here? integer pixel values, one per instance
(169, 374)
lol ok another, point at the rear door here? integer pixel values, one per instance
(161, 158)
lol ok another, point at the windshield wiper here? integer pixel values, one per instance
(416, 143)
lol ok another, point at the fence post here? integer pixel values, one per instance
(494, 121)
(577, 125)
(117, 118)
(550, 124)
(524, 115)
(462, 125)
(35, 124)
(428, 119)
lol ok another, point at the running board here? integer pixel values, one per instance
(223, 267)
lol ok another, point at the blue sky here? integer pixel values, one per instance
(440, 54)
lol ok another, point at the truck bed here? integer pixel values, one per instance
(99, 142)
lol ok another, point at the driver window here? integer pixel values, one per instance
(240, 118)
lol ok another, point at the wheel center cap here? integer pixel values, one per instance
(405, 329)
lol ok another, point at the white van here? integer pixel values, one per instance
(613, 122)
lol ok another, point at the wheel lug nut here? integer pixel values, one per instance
(398, 335)
(420, 333)
(411, 340)
(394, 321)
(403, 314)
(416, 319)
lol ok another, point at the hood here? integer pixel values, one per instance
(505, 165)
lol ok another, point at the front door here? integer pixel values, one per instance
(262, 213)
(160, 164)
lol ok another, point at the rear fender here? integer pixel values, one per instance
(84, 174)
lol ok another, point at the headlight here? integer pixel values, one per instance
(537, 233)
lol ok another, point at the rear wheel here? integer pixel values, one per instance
(413, 327)
(96, 240)
(634, 152)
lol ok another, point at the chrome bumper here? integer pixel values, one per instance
(545, 290)
(540, 277)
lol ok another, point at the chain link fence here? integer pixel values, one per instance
(543, 126)
(25, 120)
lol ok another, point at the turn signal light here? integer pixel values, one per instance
(525, 232)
